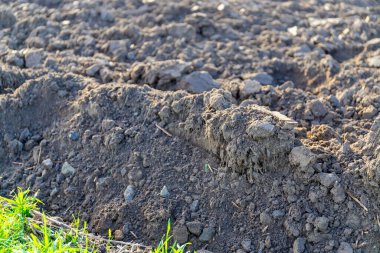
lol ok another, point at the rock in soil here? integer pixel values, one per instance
(259, 117)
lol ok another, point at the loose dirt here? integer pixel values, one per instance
(252, 125)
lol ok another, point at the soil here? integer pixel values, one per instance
(252, 125)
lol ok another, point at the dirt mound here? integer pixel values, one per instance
(252, 125)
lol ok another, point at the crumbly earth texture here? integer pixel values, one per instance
(252, 125)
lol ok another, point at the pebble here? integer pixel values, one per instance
(108, 124)
(338, 193)
(374, 61)
(277, 214)
(248, 88)
(194, 205)
(67, 169)
(135, 175)
(317, 108)
(129, 194)
(369, 112)
(164, 192)
(207, 234)
(198, 82)
(299, 245)
(194, 227)
(263, 78)
(327, 179)
(203, 251)
(180, 234)
(246, 244)
(119, 235)
(15, 147)
(301, 156)
(346, 148)
(74, 135)
(33, 58)
(265, 218)
(47, 164)
(321, 223)
(345, 247)
(93, 70)
(7, 18)
(25, 135)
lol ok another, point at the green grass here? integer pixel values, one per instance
(24, 229)
(167, 246)
(19, 232)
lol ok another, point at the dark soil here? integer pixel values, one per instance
(252, 125)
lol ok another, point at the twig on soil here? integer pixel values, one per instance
(357, 201)
(377, 219)
(39, 156)
(53, 222)
(133, 234)
(163, 130)
(235, 205)
(17, 163)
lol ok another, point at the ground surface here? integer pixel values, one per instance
(107, 110)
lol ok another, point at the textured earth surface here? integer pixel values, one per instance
(252, 125)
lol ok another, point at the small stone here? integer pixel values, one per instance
(369, 112)
(126, 228)
(164, 192)
(263, 78)
(67, 169)
(7, 18)
(195, 227)
(278, 213)
(54, 192)
(74, 135)
(299, 245)
(135, 175)
(374, 61)
(108, 124)
(93, 70)
(33, 58)
(15, 147)
(246, 244)
(198, 82)
(119, 235)
(345, 247)
(47, 164)
(207, 234)
(203, 251)
(106, 15)
(321, 223)
(25, 135)
(265, 218)
(328, 179)
(129, 194)
(29, 145)
(346, 148)
(338, 193)
(261, 130)
(180, 234)
(194, 205)
(317, 108)
(248, 88)
(301, 156)
(334, 101)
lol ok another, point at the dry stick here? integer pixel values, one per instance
(39, 156)
(163, 130)
(357, 201)
(61, 224)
